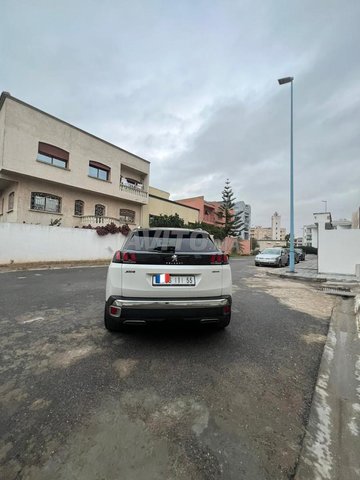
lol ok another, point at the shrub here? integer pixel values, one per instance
(109, 228)
(310, 250)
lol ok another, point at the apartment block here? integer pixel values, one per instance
(243, 210)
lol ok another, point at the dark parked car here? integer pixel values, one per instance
(301, 253)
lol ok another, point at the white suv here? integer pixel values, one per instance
(167, 273)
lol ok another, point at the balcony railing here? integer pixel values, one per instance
(96, 221)
(134, 190)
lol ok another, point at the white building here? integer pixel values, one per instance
(276, 226)
(310, 232)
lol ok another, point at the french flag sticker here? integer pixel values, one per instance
(163, 278)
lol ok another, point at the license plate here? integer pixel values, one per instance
(165, 279)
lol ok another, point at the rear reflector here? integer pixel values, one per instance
(115, 311)
(227, 309)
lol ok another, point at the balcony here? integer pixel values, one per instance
(211, 219)
(135, 190)
(96, 221)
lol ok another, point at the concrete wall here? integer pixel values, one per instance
(36, 243)
(339, 251)
(270, 243)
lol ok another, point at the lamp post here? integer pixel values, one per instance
(282, 81)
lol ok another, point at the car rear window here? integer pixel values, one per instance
(170, 241)
(273, 251)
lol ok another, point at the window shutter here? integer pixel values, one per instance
(52, 151)
(99, 165)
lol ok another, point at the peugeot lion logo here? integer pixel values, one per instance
(174, 261)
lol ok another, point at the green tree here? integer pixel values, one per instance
(217, 232)
(231, 220)
(287, 239)
(167, 221)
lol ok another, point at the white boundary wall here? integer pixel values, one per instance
(22, 243)
(339, 251)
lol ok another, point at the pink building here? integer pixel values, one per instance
(207, 210)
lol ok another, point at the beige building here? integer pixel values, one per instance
(160, 204)
(275, 232)
(270, 243)
(276, 226)
(51, 170)
(261, 233)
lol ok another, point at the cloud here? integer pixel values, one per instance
(191, 86)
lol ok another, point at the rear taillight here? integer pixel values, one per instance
(129, 257)
(124, 257)
(117, 257)
(219, 259)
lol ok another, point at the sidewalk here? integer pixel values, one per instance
(331, 444)
(307, 271)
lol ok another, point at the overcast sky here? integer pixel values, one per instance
(191, 85)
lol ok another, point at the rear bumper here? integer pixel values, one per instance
(142, 310)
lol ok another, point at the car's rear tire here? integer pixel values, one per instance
(113, 324)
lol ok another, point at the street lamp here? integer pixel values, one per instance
(282, 81)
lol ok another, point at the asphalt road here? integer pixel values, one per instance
(156, 403)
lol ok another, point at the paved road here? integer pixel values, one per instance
(163, 403)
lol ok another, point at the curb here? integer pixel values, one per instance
(295, 277)
(52, 265)
(357, 313)
(331, 442)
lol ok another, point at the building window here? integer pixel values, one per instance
(44, 202)
(127, 216)
(2, 206)
(99, 210)
(52, 155)
(99, 171)
(79, 208)
(11, 201)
